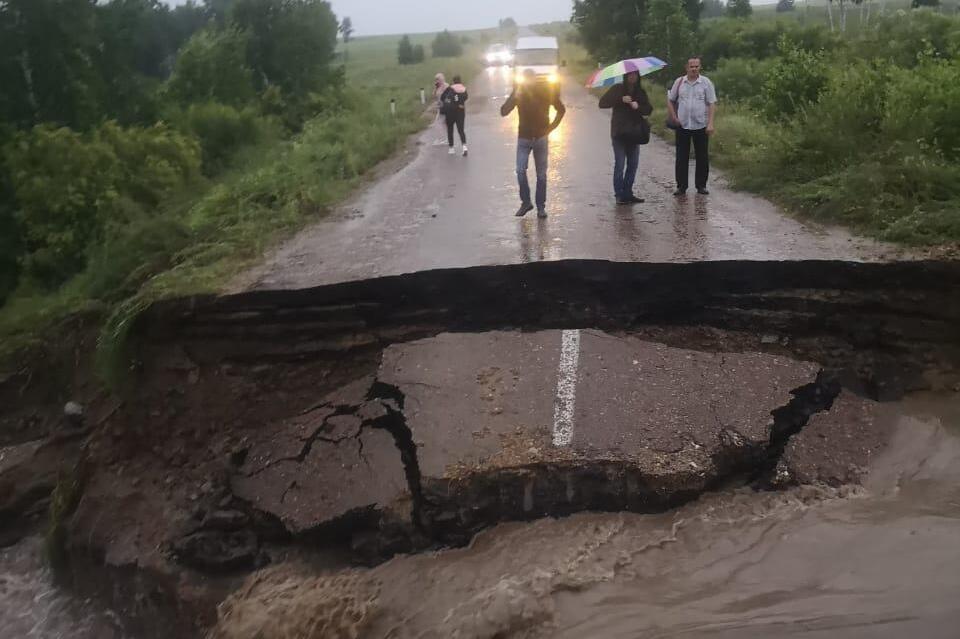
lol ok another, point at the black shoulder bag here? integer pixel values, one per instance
(671, 123)
(638, 131)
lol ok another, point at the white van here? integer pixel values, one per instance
(540, 54)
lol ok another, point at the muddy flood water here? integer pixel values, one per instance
(882, 560)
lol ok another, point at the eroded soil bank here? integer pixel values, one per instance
(342, 425)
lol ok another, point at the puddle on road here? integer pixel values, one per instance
(878, 561)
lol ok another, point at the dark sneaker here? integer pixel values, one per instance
(680, 192)
(636, 200)
(703, 191)
(622, 202)
(524, 209)
(541, 213)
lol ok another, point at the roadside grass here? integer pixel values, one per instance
(273, 189)
(874, 149)
(881, 197)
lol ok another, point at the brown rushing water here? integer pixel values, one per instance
(877, 561)
(31, 606)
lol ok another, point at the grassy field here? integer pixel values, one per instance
(371, 63)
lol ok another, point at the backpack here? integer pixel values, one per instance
(449, 102)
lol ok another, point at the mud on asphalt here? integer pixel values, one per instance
(347, 423)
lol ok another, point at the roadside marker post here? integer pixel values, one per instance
(423, 97)
(393, 107)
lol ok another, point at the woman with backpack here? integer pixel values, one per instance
(628, 130)
(453, 106)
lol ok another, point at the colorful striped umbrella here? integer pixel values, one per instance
(614, 73)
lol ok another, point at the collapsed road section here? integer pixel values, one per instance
(407, 413)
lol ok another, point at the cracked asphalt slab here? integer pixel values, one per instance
(439, 211)
(326, 465)
(457, 432)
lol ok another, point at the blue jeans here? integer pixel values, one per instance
(541, 149)
(626, 159)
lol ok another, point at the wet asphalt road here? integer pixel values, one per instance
(442, 211)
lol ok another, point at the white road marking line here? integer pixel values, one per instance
(563, 406)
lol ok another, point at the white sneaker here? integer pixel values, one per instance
(451, 151)
(464, 150)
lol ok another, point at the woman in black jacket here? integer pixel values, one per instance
(630, 105)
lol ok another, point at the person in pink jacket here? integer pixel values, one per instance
(453, 102)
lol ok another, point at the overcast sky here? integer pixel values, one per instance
(375, 17)
(383, 16)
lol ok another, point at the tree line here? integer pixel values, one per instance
(444, 45)
(112, 110)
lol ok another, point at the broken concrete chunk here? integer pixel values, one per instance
(836, 446)
(357, 477)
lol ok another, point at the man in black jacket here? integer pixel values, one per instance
(630, 106)
(533, 100)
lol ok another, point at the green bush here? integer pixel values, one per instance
(320, 164)
(873, 152)
(292, 110)
(72, 188)
(407, 53)
(729, 38)
(923, 105)
(795, 81)
(906, 37)
(446, 45)
(130, 254)
(221, 130)
(60, 180)
(212, 67)
(843, 124)
(740, 79)
(904, 194)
